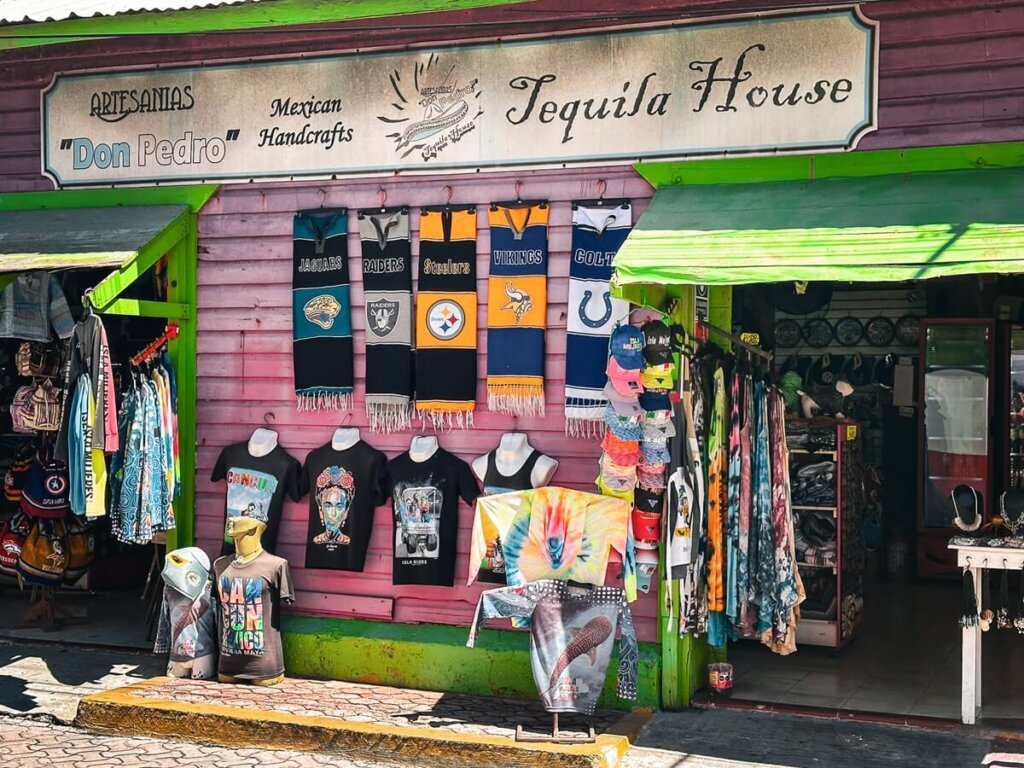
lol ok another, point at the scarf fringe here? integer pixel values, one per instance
(389, 417)
(324, 401)
(587, 429)
(515, 400)
(446, 421)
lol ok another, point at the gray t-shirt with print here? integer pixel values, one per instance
(249, 612)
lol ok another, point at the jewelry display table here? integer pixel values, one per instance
(976, 558)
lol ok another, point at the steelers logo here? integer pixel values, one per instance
(445, 320)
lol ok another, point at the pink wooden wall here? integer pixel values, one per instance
(245, 368)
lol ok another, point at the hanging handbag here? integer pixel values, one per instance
(44, 555)
(81, 548)
(12, 537)
(36, 359)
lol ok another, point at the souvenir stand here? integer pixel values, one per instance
(99, 244)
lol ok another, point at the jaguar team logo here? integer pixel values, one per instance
(445, 320)
(381, 316)
(321, 310)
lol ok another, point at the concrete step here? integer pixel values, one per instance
(367, 722)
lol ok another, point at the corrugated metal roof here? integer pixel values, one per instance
(24, 11)
(79, 237)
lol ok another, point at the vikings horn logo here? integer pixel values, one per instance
(321, 310)
(519, 302)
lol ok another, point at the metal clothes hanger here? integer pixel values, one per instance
(519, 202)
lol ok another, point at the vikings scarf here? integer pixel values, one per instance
(517, 308)
(387, 286)
(446, 317)
(321, 316)
(597, 234)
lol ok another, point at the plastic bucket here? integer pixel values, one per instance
(720, 678)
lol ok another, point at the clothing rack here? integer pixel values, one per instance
(768, 356)
(153, 346)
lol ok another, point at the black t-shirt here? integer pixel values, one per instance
(257, 486)
(425, 501)
(344, 488)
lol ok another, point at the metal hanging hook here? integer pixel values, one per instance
(602, 187)
(382, 195)
(268, 417)
(519, 190)
(448, 194)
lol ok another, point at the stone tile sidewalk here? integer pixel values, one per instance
(32, 744)
(379, 705)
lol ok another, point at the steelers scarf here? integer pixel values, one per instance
(387, 287)
(517, 308)
(321, 312)
(446, 317)
(597, 234)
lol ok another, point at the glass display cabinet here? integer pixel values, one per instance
(955, 431)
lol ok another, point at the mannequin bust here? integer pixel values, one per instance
(344, 438)
(422, 447)
(510, 459)
(247, 632)
(262, 442)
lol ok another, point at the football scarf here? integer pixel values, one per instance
(387, 287)
(597, 234)
(446, 317)
(321, 313)
(517, 308)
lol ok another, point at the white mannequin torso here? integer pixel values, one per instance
(262, 442)
(511, 454)
(422, 447)
(344, 438)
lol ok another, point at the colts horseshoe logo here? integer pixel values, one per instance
(587, 296)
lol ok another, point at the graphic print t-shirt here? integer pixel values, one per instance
(344, 488)
(257, 486)
(425, 502)
(249, 600)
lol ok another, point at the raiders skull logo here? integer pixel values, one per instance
(381, 316)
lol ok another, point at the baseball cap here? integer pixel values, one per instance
(654, 453)
(656, 430)
(624, 405)
(655, 401)
(627, 346)
(658, 376)
(624, 427)
(648, 500)
(646, 567)
(619, 493)
(658, 418)
(646, 529)
(677, 336)
(624, 380)
(657, 342)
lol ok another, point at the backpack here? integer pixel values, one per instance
(12, 537)
(44, 555)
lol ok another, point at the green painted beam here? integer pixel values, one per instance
(140, 308)
(228, 18)
(192, 195)
(6, 280)
(435, 658)
(109, 288)
(752, 170)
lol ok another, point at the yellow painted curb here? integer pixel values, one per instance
(121, 711)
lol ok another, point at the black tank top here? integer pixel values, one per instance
(495, 482)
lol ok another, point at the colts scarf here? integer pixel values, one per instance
(446, 317)
(517, 305)
(321, 312)
(387, 286)
(597, 234)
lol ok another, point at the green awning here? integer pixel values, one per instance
(884, 228)
(81, 237)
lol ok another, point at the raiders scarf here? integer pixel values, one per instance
(517, 308)
(597, 234)
(446, 317)
(387, 286)
(321, 316)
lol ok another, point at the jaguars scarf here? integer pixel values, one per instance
(446, 317)
(517, 308)
(321, 312)
(597, 234)
(387, 287)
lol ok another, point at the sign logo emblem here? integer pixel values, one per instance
(445, 320)
(322, 310)
(519, 301)
(381, 316)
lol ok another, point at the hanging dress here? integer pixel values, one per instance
(717, 466)
(746, 501)
(732, 507)
(762, 536)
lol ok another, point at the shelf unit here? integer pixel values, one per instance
(831, 614)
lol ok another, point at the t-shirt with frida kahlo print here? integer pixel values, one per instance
(249, 612)
(257, 486)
